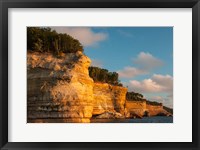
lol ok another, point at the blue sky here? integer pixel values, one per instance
(143, 56)
(124, 44)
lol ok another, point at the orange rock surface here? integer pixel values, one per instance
(108, 98)
(135, 109)
(59, 87)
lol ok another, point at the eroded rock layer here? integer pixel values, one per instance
(59, 87)
(156, 111)
(135, 109)
(108, 99)
(139, 109)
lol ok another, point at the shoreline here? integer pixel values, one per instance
(152, 119)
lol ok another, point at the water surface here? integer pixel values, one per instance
(156, 119)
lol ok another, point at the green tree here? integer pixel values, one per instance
(132, 96)
(103, 75)
(45, 40)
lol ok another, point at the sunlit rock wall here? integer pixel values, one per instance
(59, 87)
(156, 110)
(135, 108)
(108, 98)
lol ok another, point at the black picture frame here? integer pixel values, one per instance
(6, 4)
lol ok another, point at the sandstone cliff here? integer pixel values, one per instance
(108, 98)
(135, 109)
(138, 109)
(59, 87)
(156, 111)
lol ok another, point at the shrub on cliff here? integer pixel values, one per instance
(168, 109)
(103, 75)
(46, 40)
(132, 96)
(154, 103)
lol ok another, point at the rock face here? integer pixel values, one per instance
(138, 109)
(156, 111)
(135, 109)
(108, 98)
(59, 87)
(110, 115)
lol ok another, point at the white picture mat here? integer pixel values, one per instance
(179, 131)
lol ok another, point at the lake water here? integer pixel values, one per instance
(156, 119)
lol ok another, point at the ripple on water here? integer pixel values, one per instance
(157, 119)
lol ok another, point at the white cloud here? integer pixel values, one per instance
(96, 63)
(165, 100)
(145, 86)
(170, 95)
(124, 33)
(165, 81)
(157, 99)
(168, 101)
(147, 61)
(130, 72)
(84, 34)
(156, 84)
